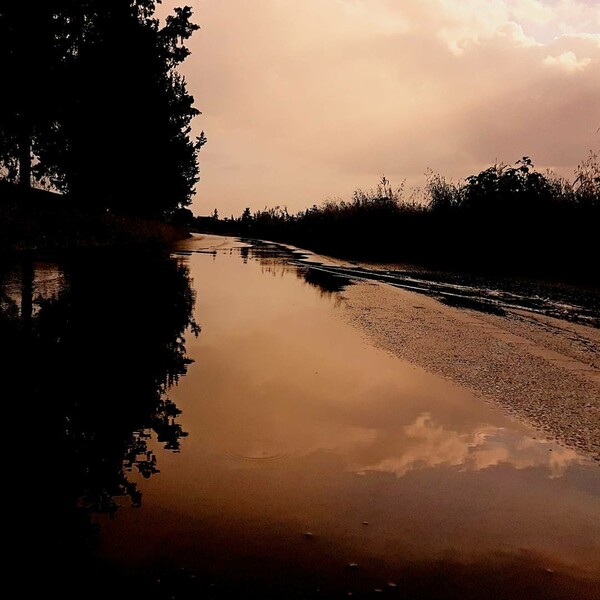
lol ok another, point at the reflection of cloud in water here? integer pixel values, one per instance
(432, 445)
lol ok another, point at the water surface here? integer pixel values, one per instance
(294, 459)
(309, 451)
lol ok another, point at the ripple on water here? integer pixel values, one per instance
(480, 436)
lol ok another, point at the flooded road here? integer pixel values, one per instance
(316, 461)
(293, 458)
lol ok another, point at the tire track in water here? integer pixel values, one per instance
(494, 301)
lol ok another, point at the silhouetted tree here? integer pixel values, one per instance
(93, 88)
(29, 58)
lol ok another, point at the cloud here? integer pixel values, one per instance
(534, 11)
(567, 61)
(305, 100)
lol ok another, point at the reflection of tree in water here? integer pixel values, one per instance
(275, 260)
(328, 283)
(92, 369)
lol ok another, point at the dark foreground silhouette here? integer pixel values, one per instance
(42, 222)
(89, 369)
(96, 112)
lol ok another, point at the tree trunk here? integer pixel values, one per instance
(25, 159)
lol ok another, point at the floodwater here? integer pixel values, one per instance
(292, 458)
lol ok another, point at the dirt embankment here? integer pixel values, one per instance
(543, 370)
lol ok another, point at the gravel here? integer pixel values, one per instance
(542, 370)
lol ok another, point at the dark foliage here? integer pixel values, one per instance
(30, 59)
(40, 221)
(94, 96)
(506, 219)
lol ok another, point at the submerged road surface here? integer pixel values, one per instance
(339, 443)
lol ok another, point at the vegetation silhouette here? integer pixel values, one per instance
(506, 219)
(96, 108)
(92, 367)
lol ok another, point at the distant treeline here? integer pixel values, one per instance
(506, 219)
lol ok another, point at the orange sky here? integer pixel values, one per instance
(305, 100)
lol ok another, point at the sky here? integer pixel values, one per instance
(308, 100)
